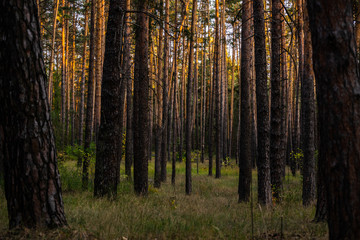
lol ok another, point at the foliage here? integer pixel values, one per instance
(297, 157)
(211, 212)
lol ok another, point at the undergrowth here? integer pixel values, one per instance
(211, 212)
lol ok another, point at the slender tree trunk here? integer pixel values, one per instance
(165, 84)
(173, 172)
(98, 64)
(127, 78)
(217, 90)
(51, 62)
(307, 132)
(263, 123)
(32, 180)
(181, 104)
(83, 79)
(141, 104)
(73, 74)
(275, 133)
(159, 109)
(284, 80)
(245, 132)
(90, 100)
(231, 120)
(63, 77)
(189, 100)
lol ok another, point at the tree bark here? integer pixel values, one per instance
(90, 100)
(337, 76)
(51, 62)
(308, 129)
(263, 123)
(110, 131)
(165, 89)
(189, 101)
(217, 81)
(275, 133)
(83, 78)
(98, 64)
(173, 165)
(141, 105)
(32, 181)
(129, 153)
(245, 132)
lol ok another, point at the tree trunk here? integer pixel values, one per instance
(110, 131)
(165, 80)
(129, 154)
(51, 62)
(63, 77)
(263, 123)
(32, 181)
(159, 108)
(83, 78)
(90, 100)
(217, 81)
(337, 76)
(72, 87)
(189, 100)
(245, 126)
(98, 64)
(275, 133)
(307, 104)
(141, 105)
(173, 165)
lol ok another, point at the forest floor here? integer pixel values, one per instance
(211, 212)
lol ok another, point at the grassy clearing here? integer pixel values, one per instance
(211, 212)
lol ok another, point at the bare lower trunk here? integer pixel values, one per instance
(32, 180)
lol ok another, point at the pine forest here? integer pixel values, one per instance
(180, 119)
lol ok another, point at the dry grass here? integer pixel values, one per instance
(211, 212)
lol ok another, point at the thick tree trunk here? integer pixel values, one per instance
(141, 104)
(32, 181)
(245, 132)
(109, 135)
(337, 76)
(263, 123)
(275, 133)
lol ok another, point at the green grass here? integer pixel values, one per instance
(211, 212)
